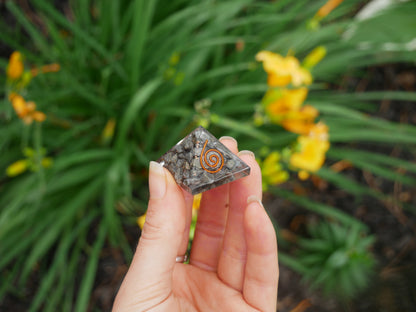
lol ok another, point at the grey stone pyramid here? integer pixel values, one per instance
(200, 162)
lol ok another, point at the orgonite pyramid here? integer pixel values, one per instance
(200, 162)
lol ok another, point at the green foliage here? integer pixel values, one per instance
(146, 65)
(336, 259)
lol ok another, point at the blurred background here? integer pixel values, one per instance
(322, 91)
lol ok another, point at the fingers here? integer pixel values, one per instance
(233, 256)
(261, 271)
(212, 218)
(150, 274)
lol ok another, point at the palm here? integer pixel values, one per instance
(233, 261)
(195, 289)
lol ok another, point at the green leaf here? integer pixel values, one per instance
(90, 270)
(69, 209)
(133, 108)
(322, 209)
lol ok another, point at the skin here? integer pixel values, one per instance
(233, 263)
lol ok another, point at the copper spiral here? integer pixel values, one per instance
(211, 160)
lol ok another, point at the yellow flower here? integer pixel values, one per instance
(311, 156)
(283, 71)
(314, 57)
(197, 202)
(49, 68)
(303, 175)
(17, 167)
(38, 116)
(319, 131)
(328, 8)
(141, 220)
(108, 131)
(174, 59)
(15, 67)
(279, 103)
(26, 110)
(272, 171)
(312, 148)
(33, 161)
(19, 104)
(284, 107)
(46, 162)
(300, 121)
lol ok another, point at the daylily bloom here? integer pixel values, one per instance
(310, 155)
(141, 220)
(283, 71)
(272, 171)
(197, 202)
(26, 110)
(300, 121)
(314, 57)
(49, 68)
(284, 107)
(108, 131)
(15, 67)
(328, 7)
(278, 103)
(18, 167)
(319, 131)
(31, 162)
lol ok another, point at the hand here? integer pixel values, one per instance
(233, 262)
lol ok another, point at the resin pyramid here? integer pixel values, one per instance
(200, 162)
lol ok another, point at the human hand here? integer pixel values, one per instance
(233, 262)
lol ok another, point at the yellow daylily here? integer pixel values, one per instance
(26, 110)
(284, 107)
(319, 131)
(33, 161)
(328, 7)
(272, 171)
(300, 121)
(18, 167)
(141, 220)
(108, 131)
(278, 103)
(284, 100)
(314, 57)
(46, 162)
(311, 149)
(311, 156)
(197, 202)
(49, 68)
(283, 71)
(15, 67)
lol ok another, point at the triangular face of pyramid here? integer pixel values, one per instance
(200, 162)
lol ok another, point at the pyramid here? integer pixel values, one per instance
(200, 162)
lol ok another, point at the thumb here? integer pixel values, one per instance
(149, 278)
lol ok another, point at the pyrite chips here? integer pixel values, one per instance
(200, 162)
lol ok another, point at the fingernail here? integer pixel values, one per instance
(245, 152)
(254, 198)
(157, 180)
(228, 138)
